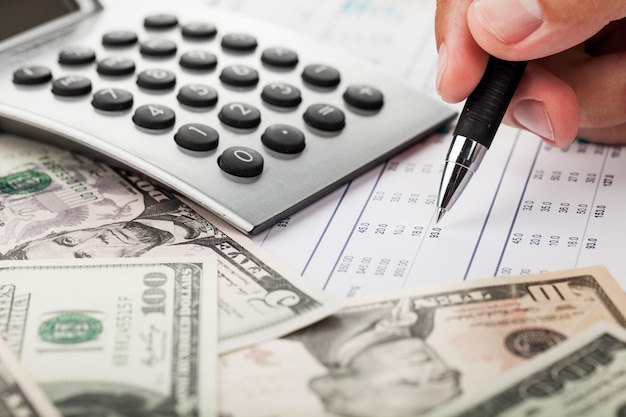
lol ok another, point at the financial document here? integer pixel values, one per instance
(530, 208)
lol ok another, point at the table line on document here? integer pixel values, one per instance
(595, 195)
(417, 252)
(357, 218)
(491, 206)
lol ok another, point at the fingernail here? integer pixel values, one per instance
(532, 115)
(442, 61)
(508, 20)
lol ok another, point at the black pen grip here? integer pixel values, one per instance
(485, 107)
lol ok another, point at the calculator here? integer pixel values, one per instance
(248, 119)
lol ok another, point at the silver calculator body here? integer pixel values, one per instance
(287, 179)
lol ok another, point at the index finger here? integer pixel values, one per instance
(461, 61)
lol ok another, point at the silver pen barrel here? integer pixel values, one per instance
(462, 161)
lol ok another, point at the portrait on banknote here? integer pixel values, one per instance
(96, 215)
(56, 204)
(379, 361)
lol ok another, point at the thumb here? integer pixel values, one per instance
(529, 29)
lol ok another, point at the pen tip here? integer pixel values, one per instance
(440, 213)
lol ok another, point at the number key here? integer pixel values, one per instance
(321, 75)
(112, 99)
(156, 79)
(197, 137)
(281, 94)
(197, 95)
(154, 116)
(240, 115)
(241, 162)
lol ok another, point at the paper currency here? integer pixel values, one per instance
(56, 204)
(123, 337)
(410, 351)
(20, 396)
(583, 377)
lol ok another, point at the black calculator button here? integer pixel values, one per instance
(198, 60)
(199, 30)
(119, 38)
(158, 48)
(71, 85)
(154, 116)
(281, 94)
(241, 162)
(197, 95)
(116, 66)
(156, 79)
(240, 115)
(240, 42)
(112, 99)
(325, 117)
(364, 97)
(32, 75)
(284, 139)
(279, 57)
(77, 55)
(197, 137)
(160, 21)
(321, 75)
(239, 76)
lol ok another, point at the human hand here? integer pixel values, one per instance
(575, 82)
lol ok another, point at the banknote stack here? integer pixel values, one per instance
(117, 298)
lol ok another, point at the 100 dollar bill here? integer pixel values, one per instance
(55, 204)
(116, 337)
(410, 351)
(583, 377)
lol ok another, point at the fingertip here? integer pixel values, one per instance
(533, 116)
(461, 61)
(562, 110)
(442, 61)
(546, 106)
(459, 69)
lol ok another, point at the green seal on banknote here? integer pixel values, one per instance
(70, 328)
(25, 182)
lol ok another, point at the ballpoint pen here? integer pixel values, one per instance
(478, 123)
